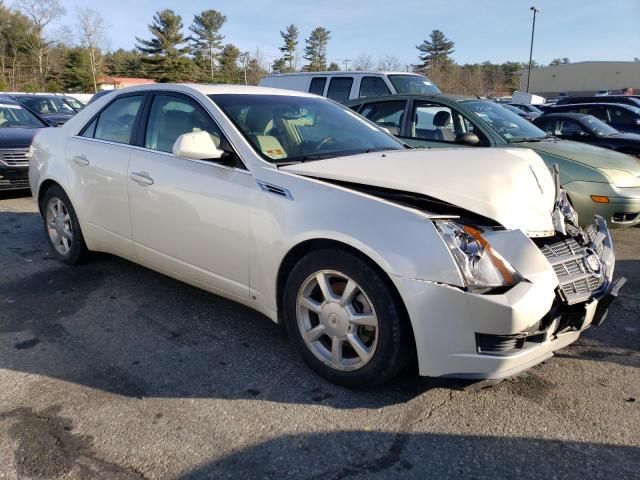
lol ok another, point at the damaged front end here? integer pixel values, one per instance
(583, 261)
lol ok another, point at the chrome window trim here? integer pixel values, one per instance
(150, 150)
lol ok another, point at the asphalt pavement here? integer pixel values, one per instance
(111, 371)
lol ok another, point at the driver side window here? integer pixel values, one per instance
(171, 116)
(569, 128)
(440, 123)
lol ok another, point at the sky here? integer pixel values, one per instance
(495, 30)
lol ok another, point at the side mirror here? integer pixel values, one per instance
(468, 138)
(197, 146)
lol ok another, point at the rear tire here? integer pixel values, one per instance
(345, 319)
(62, 228)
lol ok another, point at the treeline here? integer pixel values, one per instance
(35, 56)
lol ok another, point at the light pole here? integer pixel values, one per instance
(533, 30)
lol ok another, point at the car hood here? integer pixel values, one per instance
(57, 118)
(590, 155)
(16, 137)
(512, 187)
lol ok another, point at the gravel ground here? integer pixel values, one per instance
(112, 371)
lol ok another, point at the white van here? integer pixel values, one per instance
(343, 86)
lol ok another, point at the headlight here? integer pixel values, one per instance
(621, 178)
(481, 266)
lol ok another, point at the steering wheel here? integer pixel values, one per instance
(323, 142)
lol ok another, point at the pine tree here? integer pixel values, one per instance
(316, 49)
(290, 37)
(229, 71)
(166, 51)
(435, 51)
(279, 66)
(208, 41)
(333, 67)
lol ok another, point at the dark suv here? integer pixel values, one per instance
(624, 118)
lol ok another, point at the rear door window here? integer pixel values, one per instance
(340, 88)
(116, 121)
(373, 87)
(317, 85)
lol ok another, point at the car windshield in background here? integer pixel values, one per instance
(285, 128)
(413, 84)
(77, 105)
(510, 126)
(47, 105)
(14, 116)
(598, 127)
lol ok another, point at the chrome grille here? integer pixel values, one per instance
(567, 257)
(15, 157)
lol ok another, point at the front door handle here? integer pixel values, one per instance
(141, 178)
(81, 160)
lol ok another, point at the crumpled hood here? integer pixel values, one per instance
(510, 186)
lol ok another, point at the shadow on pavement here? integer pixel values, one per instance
(118, 327)
(339, 455)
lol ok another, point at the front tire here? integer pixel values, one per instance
(62, 227)
(345, 319)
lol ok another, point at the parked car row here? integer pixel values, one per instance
(597, 181)
(55, 110)
(369, 252)
(18, 126)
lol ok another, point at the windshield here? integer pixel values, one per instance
(47, 105)
(416, 84)
(510, 126)
(598, 127)
(14, 116)
(77, 105)
(287, 128)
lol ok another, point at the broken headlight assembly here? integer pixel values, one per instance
(482, 268)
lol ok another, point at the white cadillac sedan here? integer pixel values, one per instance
(369, 253)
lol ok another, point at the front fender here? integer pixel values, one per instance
(402, 241)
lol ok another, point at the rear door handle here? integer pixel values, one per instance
(141, 178)
(81, 160)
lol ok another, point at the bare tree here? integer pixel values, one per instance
(389, 63)
(363, 62)
(42, 13)
(91, 28)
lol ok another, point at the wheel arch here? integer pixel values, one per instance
(44, 187)
(297, 252)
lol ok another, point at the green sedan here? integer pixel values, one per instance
(597, 181)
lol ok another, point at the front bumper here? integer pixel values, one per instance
(465, 335)
(14, 178)
(622, 209)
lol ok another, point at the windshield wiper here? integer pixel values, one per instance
(529, 139)
(322, 156)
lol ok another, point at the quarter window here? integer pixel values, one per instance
(116, 122)
(373, 87)
(340, 88)
(171, 117)
(317, 85)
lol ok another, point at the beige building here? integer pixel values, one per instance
(582, 78)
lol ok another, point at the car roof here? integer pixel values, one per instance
(575, 116)
(593, 104)
(345, 72)
(216, 89)
(9, 100)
